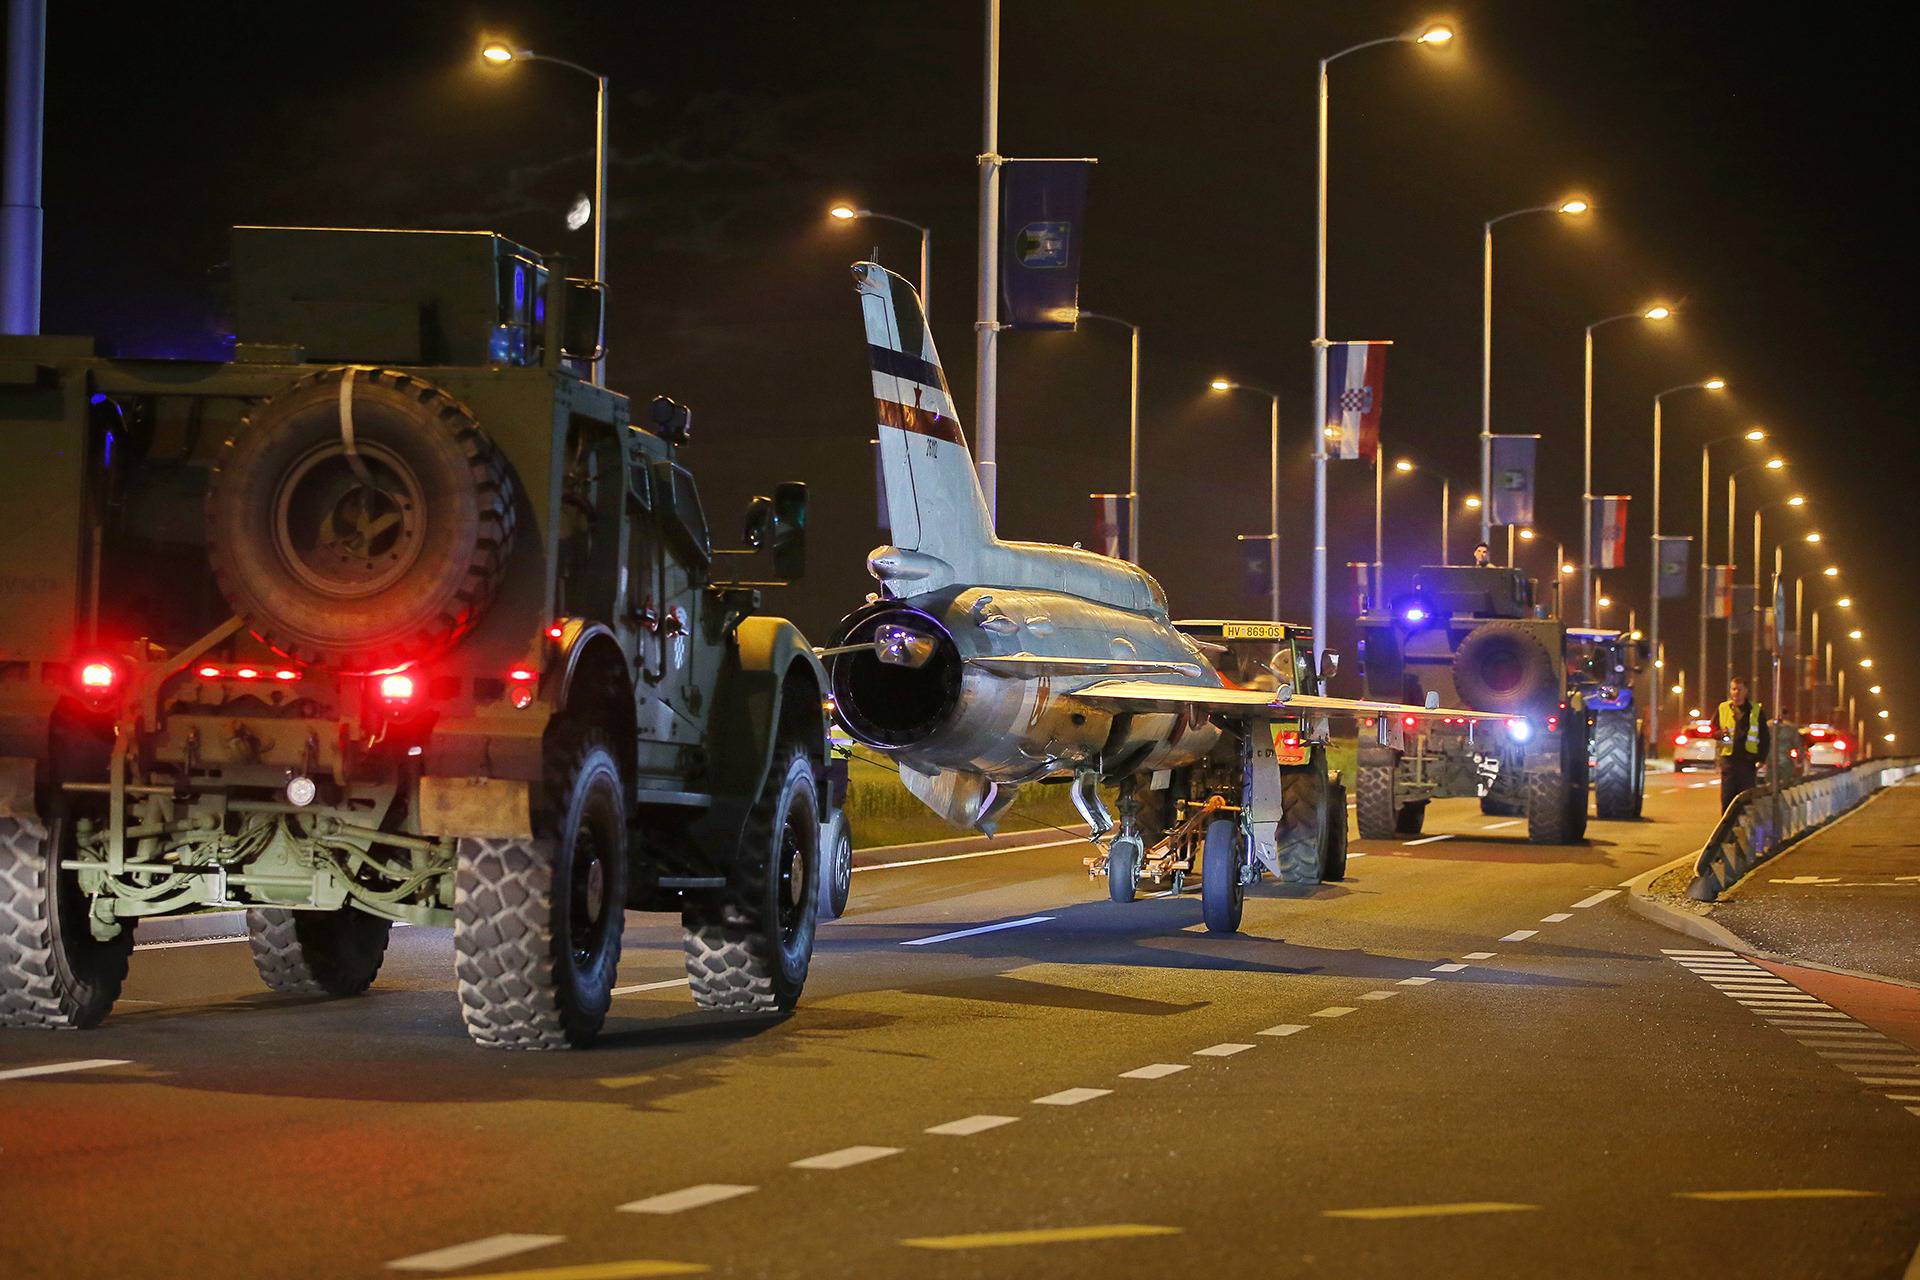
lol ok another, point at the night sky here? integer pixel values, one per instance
(1746, 163)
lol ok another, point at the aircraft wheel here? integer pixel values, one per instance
(1123, 868)
(1222, 894)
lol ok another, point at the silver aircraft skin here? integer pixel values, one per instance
(983, 664)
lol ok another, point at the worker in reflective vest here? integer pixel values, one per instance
(1744, 739)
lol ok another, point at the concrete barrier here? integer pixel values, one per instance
(1760, 823)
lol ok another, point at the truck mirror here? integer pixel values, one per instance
(778, 525)
(1329, 664)
(585, 337)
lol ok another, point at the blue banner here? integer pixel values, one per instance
(1043, 209)
(1675, 552)
(1512, 497)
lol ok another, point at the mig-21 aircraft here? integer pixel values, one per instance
(983, 665)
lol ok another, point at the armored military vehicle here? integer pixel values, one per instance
(394, 617)
(1602, 666)
(1473, 636)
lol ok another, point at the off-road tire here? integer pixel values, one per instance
(536, 931)
(1505, 666)
(1123, 869)
(1639, 776)
(316, 953)
(1300, 838)
(836, 867)
(1223, 895)
(1333, 848)
(747, 952)
(308, 556)
(1377, 815)
(1410, 818)
(1616, 758)
(1557, 793)
(53, 972)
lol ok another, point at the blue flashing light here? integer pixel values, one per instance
(97, 398)
(1414, 613)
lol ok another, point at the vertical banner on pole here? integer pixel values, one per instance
(1740, 621)
(1719, 590)
(1256, 550)
(1610, 531)
(1043, 210)
(1675, 554)
(1356, 389)
(1512, 495)
(1109, 524)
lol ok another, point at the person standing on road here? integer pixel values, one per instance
(1744, 740)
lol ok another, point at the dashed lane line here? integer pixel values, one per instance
(1413, 982)
(1284, 1029)
(975, 932)
(1448, 968)
(1408, 844)
(1594, 900)
(626, 1269)
(1778, 1193)
(1156, 1070)
(1480, 955)
(846, 1157)
(1071, 1097)
(58, 1068)
(694, 1197)
(472, 1253)
(970, 1125)
(1379, 995)
(1221, 1050)
(1501, 826)
(1333, 1011)
(1044, 1235)
(1555, 918)
(186, 942)
(1381, 1213)
(1519, 935)
(649, 986)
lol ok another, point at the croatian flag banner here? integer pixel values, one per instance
(1109, 523)
(1356, 388)
(1719, 591)
(1610, 531)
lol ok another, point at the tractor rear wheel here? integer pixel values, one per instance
(1616, 761)
(1303, 819)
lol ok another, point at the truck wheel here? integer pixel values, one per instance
(1579, 785)
(749, 952)
(1303, 819)
(1333, 848)
(53, 972)
(1547, 807)
(1616, 737)
(1639, 775)
(1377, 814)
(537, 923)
(836, 867)
(1410, 817)
(1123, 868)
(1222, 894)
(316, 953)
(362, 556)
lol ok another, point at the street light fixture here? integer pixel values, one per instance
(1867, 663)
(1845, 602)
(1224, 384)
(1658, 311)
(1832, 571)
(1873, 689)
(844, 212)
(1855, 634)
(1471, 502)
(1716, 384)
(1814, 536)
(500, 55)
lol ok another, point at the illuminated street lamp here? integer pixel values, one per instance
(1433, 35)
(1883, 713)
(1873, 689)
(1273, 486)
(1867, 663)
(1653, 606)
(844, 212)
(1854, 634)
(1814, 536)
(500, 55)
(1832, 571)
(1656, 312)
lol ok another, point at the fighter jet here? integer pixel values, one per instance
(983, 665)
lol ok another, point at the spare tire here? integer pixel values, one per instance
(1506, 667)
(359, 519)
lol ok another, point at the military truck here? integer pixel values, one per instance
(393, 618)
(1472, 635)
(1602, 666)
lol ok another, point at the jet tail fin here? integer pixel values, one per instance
(930, 492)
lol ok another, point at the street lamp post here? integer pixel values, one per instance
(1273, 490)
(1570, 206)
(1656, 312)
(500, 55)
(1774, 464)
(1433, 36)
(1653, 605)
(847, 213)
(1133, 430)
(1754, 435)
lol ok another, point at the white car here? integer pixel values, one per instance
(1827, 747)
(1696, 746)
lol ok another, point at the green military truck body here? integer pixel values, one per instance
(392, 618)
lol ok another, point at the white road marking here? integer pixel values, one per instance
(1480, 955)
(1413, 982)
(472, 1253)
(1875, 1060)
(1519, 935)
(1595, 900)
(1497, 826)
(1408, 844)
(693, 1197)
(188, 942)
(1814, 1013)
(1379, 995)
(1221, 1050)
(970, 1125)
(1332, 1011)
(1695, 786)
(1447, 968)
(1840, 1033)
(1072, 1097)
(970, 933)
(1905, 1097)
(1156, 1071)
(1781, 1193)
(846, 1157)
(1883, 1079)
(1386, 1212)
(1684, 951)
(962, 857)
(56, 1068)
(649, 986)
(1555, 918)
(1284, 1029)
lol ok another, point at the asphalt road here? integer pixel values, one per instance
(1469, 1059)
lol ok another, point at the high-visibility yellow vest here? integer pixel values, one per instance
(1729, 718)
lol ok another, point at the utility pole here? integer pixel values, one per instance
(20, 221)
(986, 325)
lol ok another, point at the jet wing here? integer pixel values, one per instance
(1153, 695)
(1027, 665)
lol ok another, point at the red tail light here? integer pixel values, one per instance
(1410, 721)
(1679, 739)
(98, 677)
(556, 630)
(246, 673)
(1841, 743)
(286, 673)
(209, 673)
(397, 688)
